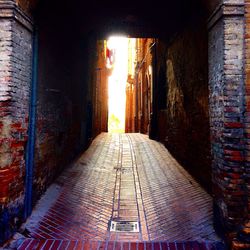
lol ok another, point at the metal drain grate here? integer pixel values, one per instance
(124, 226)
(126, 170)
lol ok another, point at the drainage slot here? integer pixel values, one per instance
(124, 226)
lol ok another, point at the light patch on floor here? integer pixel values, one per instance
(42, 207)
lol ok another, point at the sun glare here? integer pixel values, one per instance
(117, 83)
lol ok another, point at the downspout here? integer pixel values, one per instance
(153, 125)
(30, 150)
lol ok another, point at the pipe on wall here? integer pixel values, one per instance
(153, 120)
(30, 150)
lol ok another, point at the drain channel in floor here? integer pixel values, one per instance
(124, 226)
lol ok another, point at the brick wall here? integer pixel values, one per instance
(15, 77)
(216, 44)
(63, 116)
(247, 113)
(62, 100)
(226, 49)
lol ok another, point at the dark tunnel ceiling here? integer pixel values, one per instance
(136, 19)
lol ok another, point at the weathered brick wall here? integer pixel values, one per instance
(63, 127)
(15, 77)
(226, 48)
(183, 118)
(216, 44)
(247, 114)
(62, 102)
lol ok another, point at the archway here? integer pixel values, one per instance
(58, 136)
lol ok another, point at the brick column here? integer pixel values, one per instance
(15, 77)
(244, 234)
(227, 97)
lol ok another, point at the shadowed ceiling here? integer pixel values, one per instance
(132, 18)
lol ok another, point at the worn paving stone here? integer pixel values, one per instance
(123, 177)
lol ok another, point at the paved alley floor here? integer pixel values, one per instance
(125, 187)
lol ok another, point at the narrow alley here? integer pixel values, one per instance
(122, 178)
(125, 125)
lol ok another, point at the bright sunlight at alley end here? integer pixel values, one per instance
(120, 57)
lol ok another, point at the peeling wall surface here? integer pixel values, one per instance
(15, 78)
(183, 117)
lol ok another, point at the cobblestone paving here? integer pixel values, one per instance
(123, 177)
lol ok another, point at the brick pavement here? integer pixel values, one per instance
(122, 177)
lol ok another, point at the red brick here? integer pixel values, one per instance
(233, 125)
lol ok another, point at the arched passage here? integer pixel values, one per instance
(65, 108)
